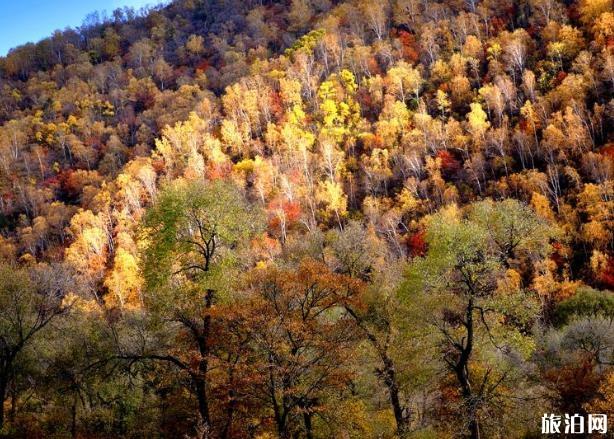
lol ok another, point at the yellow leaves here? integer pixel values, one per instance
(595, 201)
(541, 206)
(245, 166)
(72, 121)
(407, 201)
(404, 81)
(510, 283)
(94, 240)
(591, 9)
(556, 49)
(440, 71)
(306, 44)
(353, 419)
(331, 194)
(349, 81)
(330, 111)
(473, 47)
(78, 303)
(124, 281)
(296, 115)
(603, 29)
(290, 91)
(296, 139)
(544, 283)
(478, 120)
(443, 103)
(377, 162)
(596, 234)
(88, 252)
(604, 402)
(195, 44)
(8, 250)
(599, 262)
(340, 113)
(233, 137)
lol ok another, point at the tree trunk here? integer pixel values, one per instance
(462, 373)
(390, 379)
(73, 420)
(474, 429)
(388, 372)
(308, 427)
(229, 414)
(203, 402)
(3, 388)
(13, 411)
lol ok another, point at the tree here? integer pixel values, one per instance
(591, 9)
(303, 340)
(404, 81)
(464, 284)
(355, 252)
(162, 71)
(191, 236)
(30, 299)
(478, 122)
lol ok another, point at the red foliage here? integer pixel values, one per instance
(556, 255)
(51, 182)
(560, 76)
(365, 100)
(607, 276)
(417, 244)
(276, 105)
(572, 12)
(203, 65)
(497, 24)
(373, 66)
(449, 164)
(291, 209)
(373, 141)
(158, 166)
(93, 142)
(8, 196)
(608, 151)
(575, 384)
(69, 183)
(283, 211)
(533, 31)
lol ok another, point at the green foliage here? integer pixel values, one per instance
(513, 229)
(190, 237)
(586, 303)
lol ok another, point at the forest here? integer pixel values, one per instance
(303, 219)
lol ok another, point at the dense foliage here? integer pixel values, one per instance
(309, 219)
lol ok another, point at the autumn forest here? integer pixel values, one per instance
(309, 219)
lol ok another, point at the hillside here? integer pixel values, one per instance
(309, 219)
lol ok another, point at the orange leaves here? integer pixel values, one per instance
(283, 211)
(574, 383)
(410, 48)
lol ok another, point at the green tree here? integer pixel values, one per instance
(30, 299)
(479, 309)
(192, 237)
